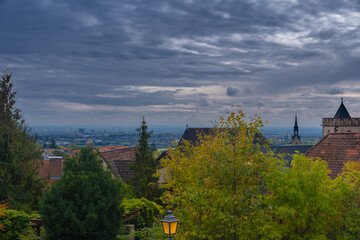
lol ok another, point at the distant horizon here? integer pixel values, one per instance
(161, 129)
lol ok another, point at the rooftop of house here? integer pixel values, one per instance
(108, 148)
(337, 149)
(119, 160)
(192, 136)
(49, 155)
(289, 150)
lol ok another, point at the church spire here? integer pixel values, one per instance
(296, 128)
(296, 138)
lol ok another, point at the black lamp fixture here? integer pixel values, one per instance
(169, 224)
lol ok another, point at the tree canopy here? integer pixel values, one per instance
(303, 201)
(19, 155)
(85, 203)
(230, 187)
(217, 185)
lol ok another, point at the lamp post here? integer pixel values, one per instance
(169, 224)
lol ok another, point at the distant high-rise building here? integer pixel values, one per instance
(342, 122)
(295, 140)
(82, 130)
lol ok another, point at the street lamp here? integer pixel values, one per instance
(169, 223)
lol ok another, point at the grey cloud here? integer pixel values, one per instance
(334, 90)
(230, 91)
(77, 50)
(324, 34)
(204, 102)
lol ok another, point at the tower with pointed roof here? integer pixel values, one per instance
(341, 122)
(295, 140)
(342, 112)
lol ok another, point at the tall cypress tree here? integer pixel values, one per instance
(144, 182)
(19, 155)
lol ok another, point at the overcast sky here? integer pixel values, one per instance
(110, 62)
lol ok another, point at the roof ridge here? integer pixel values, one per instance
(119, 149)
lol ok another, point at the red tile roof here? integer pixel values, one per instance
(337, 149)
(119, 160)
(108, 148)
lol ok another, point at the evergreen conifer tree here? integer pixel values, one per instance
(144, 182)
(19, 154)
(85, 203)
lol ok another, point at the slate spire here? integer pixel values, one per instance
(296, 138)
(342, 111)
(296, 128)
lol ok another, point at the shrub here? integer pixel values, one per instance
(16, 223)
(154, 233)
(148, 211)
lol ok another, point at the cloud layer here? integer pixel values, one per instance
(182, 61)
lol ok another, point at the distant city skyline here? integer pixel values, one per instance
(108, 63)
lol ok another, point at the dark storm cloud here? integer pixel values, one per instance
(188, 55)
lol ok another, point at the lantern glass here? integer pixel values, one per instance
(169, 227)
(173, 227)
(166, 227)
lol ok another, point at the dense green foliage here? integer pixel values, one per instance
(85, 203)
(305, 202)
(144, 183)
(149, 211)
(19, 155)
(228, 187)
(216, 186)
(16, 225)
(348, 224)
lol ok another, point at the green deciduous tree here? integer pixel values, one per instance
(348, 227)
(144, 181)
(228, 187)
(85, 203)
(216, 187)
(19, 155)
(304, 202)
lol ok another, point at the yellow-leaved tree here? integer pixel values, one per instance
(217, 187)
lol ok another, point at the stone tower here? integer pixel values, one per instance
(341, 122)
(295, 140)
